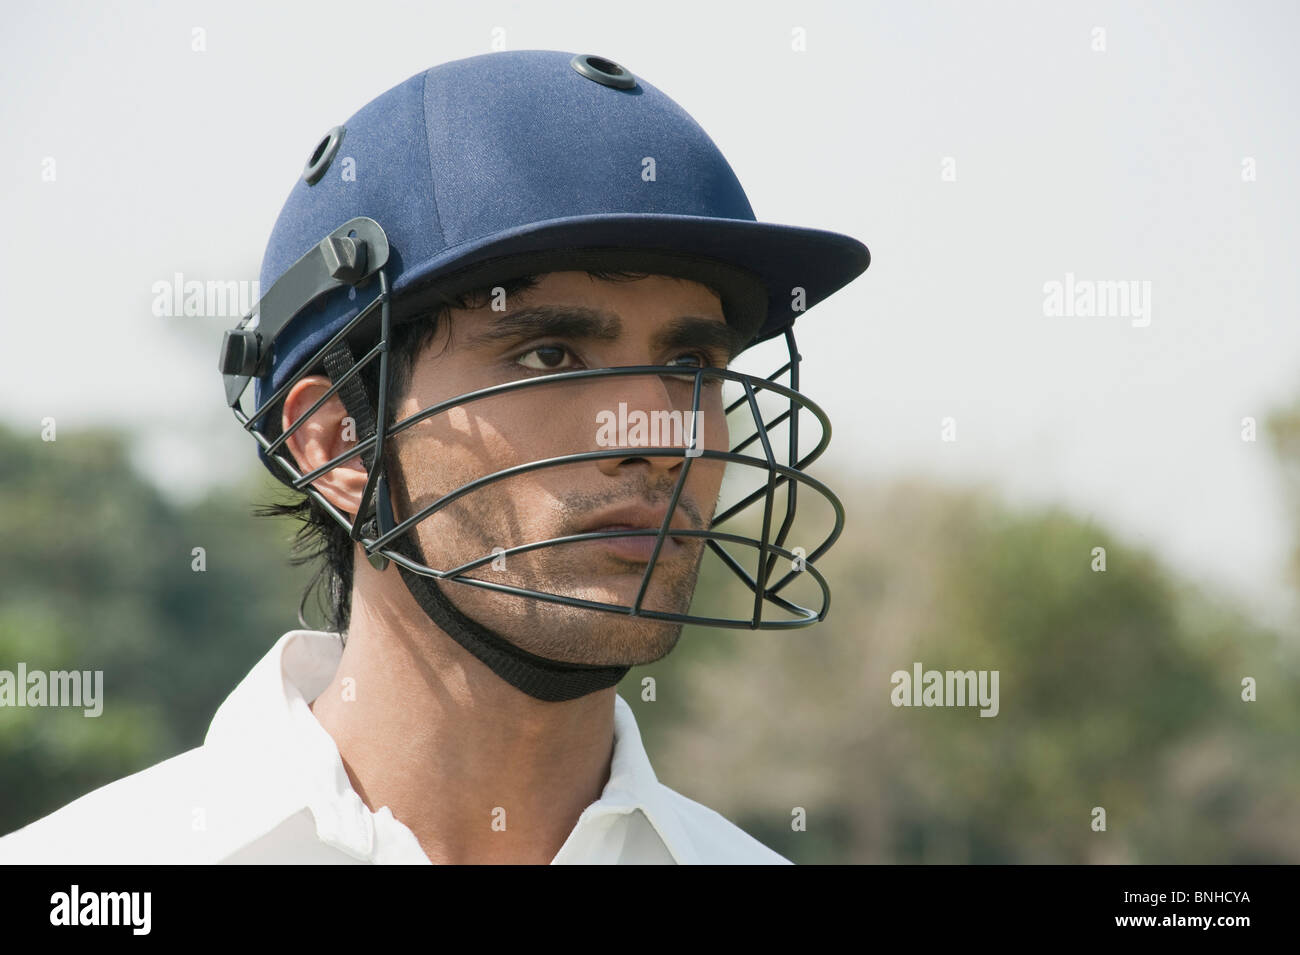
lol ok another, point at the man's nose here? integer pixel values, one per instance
(644, 412)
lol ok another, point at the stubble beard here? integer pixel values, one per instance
(472, 526)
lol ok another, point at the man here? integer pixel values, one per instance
(492, 352)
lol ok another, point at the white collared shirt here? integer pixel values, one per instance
(268, 786)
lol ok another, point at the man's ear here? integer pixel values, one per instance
(324, 436)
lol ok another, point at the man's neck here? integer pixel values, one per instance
(477, 770)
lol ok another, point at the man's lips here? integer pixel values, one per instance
(634, 518)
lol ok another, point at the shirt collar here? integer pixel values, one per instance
(633, 785)
(270, 707)
(268, 718)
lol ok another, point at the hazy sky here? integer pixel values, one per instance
(1115, 165)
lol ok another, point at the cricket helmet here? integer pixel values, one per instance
(527, 162)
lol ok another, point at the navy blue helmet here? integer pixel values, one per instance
(506, 164)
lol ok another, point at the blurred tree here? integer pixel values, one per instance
(1283, 429)
(1119, 689)
(96, 573)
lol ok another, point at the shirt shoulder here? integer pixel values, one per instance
(718, 840)
(193, 808)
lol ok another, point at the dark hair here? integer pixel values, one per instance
(320, 537)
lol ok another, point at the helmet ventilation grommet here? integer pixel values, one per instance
(322, 156)
(603, 71)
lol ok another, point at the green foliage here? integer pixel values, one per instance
(1119, 689)
(96, 574)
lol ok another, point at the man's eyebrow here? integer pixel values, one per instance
(558, 321)
(581, 322)
(693, 332)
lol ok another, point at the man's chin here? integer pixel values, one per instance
(579, 634)
(610, 641)
(574, 634)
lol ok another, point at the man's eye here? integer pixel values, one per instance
(695, 360)
(545, 358)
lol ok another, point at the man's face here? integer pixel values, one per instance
(569, 321)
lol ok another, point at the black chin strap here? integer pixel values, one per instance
(540, 677)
